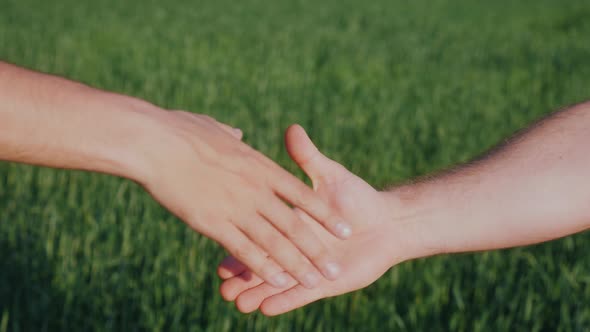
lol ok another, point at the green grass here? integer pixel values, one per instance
(391, 89)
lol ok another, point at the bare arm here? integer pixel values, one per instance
(50, 121)
(195, 166)
(533, 188)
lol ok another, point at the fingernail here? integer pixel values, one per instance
(279, 280)
(343, 230)
(237, 131)
(310, 280)
(332, 270)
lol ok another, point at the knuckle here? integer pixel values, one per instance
(273, 242)
(296, 229)
(301, 197)
(184, 114)
(243, 150)
(252, 156)
(318, 254)
(245, 164)
(299, 260)
(305, 202)
(251, 185)
(242, 251)
(267, 268)
(310, 245)
(206, 117)
(303, 268)
(255, 154)
(322, 212)
(292, 259)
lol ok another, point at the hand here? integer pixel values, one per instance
(377, 243)
(224, 189)
(191, 164)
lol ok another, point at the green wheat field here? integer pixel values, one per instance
(391, 89)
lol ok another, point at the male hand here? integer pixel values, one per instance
(224, 189)
(376, 244)
(193, 165)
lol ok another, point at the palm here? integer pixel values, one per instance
(357, 202)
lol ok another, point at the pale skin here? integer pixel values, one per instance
(531, 189)
(193, 165)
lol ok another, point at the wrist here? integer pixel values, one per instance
(129, 131)
(412, 219)
(50, 121)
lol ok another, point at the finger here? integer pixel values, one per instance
(320, 169)
(230, 267)
(297, 193)
(290, 299)
(232, 287)
(281, 250)
(244, 250)
(235, 132)
(291, 189)
(248, 300)
(301, 235)
(316, 165)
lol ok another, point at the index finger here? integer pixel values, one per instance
(294, 191)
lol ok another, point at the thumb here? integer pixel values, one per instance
(307, 156)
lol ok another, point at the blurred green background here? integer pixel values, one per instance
(391, 89)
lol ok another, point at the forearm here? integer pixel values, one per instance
(534, 188)
(50, 121)
(193, 165)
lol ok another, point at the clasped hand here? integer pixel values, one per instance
(233, 194)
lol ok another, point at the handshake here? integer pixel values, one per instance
(338, 237)
(382, 236)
